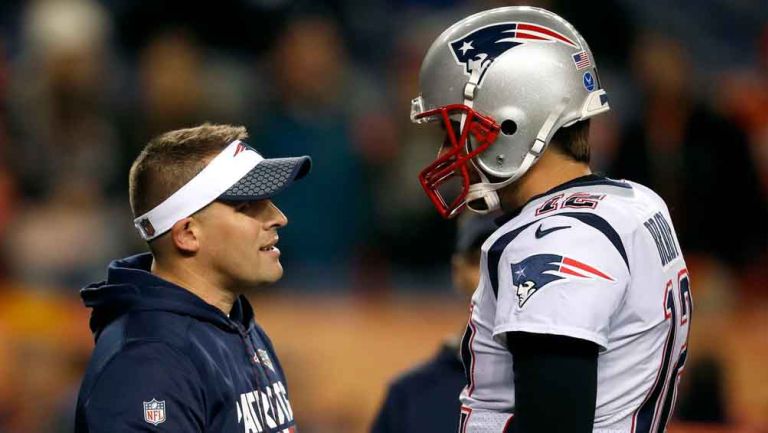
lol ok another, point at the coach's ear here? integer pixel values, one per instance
(185, 237)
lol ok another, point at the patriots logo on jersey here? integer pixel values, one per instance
(477, 50)
(536, 271)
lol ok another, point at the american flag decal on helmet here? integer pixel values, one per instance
(581, 60)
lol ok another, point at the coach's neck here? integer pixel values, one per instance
(551, 170)
(201, 284)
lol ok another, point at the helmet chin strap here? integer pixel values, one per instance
(481, 190)
(487, 190)
(491, 197)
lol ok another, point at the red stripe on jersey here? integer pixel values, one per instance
(546, 31)
(585, 267)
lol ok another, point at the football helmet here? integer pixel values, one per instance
(501, 83)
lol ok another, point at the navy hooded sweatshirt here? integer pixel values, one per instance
(166, 361)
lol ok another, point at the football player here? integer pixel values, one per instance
(580, 320)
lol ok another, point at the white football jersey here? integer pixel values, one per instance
(595, 259)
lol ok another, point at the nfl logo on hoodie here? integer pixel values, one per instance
(154, 411)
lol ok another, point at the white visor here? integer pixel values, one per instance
(238, 173)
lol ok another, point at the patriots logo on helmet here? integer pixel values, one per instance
(478, 50)
(536, 271)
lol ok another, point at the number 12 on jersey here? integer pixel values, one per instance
(654, 413)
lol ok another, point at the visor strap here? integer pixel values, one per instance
(224, 170)
(491, 199)
(477, 191)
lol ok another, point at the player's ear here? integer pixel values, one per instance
(185, 236)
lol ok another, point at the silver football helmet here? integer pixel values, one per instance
(502, 82)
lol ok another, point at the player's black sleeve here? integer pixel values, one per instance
(555, 383)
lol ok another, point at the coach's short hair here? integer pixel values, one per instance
(172, 159)
(573, 141)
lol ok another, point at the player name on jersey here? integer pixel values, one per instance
(661, 232)
(265, 410)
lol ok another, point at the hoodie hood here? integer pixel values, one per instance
(131, 287)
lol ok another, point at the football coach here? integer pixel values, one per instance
(177, 346)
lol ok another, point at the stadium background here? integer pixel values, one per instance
(367, 293)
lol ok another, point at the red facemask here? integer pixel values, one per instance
(454, 161)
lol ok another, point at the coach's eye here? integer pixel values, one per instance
(243, 206)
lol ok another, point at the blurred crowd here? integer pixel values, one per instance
(85, 83)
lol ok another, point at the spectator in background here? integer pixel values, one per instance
(697, 160)
(60, 95)
(171, 82)
(182, 81)
(426, 399)
(63, 155)
(399, 148)
(7, 181)
(179, 81)
(745, 98)
(319, 98)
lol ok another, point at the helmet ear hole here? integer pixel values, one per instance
(508, 127)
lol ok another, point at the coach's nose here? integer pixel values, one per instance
(277, 218)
